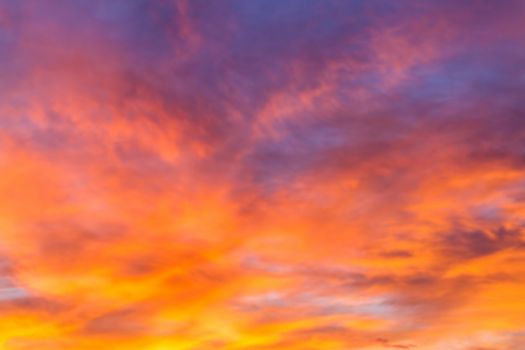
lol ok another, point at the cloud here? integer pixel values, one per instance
(261, 175)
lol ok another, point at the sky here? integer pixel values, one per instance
(262, 175)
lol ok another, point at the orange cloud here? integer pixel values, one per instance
(261, 175)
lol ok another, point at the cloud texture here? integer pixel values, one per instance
(262, 174)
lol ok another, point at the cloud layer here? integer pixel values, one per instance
(262, 175)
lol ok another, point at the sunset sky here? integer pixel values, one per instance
(262, 175)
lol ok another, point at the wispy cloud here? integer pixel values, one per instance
(262, 175)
